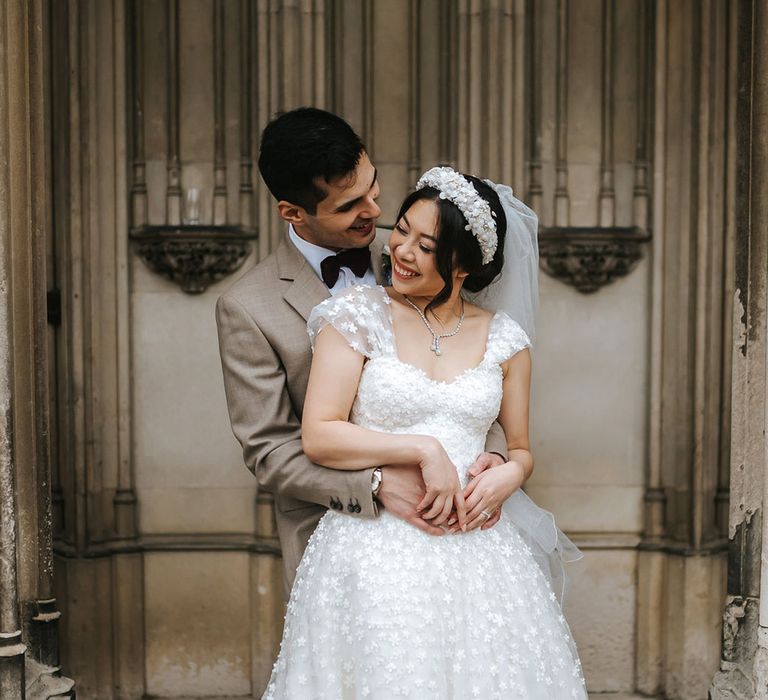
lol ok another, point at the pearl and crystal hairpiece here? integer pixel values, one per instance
(454, 187)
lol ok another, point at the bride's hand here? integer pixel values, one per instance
(488, 491)
(442, 484)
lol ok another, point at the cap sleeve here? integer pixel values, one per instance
(505, 339)
(360, 315)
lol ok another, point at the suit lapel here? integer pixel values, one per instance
(307, 289)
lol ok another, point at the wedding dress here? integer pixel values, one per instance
(380, 609)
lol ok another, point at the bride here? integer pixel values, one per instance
(415, 373)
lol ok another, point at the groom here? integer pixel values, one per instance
(325, 187)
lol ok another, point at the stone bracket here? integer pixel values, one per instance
(193, 256)
(589, 258)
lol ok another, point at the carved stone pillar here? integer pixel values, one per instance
(491, 98)
(291, 66)
(29, 616)
(681, 562)
(744, 661)
(99, 567)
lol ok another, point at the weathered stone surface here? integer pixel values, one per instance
(736, 679)
(744, 661)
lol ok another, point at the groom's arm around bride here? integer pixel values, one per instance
(316, 159)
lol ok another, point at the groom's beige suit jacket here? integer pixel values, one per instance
(265, 357)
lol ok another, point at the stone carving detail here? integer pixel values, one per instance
(589, 258)
(193, 256)
(743, 651)
(734, 612)
(45, 682)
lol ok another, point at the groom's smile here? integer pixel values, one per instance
(364, 228)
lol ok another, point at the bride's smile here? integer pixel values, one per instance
(403, 272)
(413, 244)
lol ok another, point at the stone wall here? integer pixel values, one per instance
(613, 119)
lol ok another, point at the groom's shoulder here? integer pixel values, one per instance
(259, 285)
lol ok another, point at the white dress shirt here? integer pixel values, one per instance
(315, 254)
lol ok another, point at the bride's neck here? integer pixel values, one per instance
(444, 312)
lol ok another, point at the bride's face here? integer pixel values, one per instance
(412, 244)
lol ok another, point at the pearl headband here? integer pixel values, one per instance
(454, 187)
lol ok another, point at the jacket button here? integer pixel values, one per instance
(350, 507)
(357, 509)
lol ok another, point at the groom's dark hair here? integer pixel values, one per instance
(302, 147)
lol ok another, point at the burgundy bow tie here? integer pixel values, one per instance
(356, 259)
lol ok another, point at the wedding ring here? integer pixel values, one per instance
(486, 514)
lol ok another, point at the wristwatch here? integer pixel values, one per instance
(376, 482)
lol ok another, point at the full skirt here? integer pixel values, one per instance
(381, 610)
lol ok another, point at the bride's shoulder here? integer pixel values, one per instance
(357, 298)
(358, 314)
(505, 325)
(358, 304)
(506, 337)
(364, 292)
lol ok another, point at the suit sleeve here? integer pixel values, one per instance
(265, 424)
(496, 441)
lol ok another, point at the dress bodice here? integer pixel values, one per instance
(397, 397)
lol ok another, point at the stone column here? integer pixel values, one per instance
(681, 566)
(744, 660)
(11, 647)
(290, 62)
(490, 90)
(99, 566)
(28, 611)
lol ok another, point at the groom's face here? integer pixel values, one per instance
(346, 218)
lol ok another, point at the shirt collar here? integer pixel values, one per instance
(313, 254)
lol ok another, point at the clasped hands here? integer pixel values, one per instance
(429, 496)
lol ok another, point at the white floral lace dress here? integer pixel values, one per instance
(382, 610)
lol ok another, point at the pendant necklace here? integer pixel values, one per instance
(436, 337)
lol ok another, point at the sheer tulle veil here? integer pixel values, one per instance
(516, 292)
(516, 289)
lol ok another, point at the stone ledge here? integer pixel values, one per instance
(592, 696)
(621, 696)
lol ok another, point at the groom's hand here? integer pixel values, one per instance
(484, 461)
(402, 489)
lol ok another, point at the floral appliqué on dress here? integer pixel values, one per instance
(381, 610)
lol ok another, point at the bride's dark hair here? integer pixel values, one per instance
(458, 247)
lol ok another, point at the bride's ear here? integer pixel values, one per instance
(292, 213)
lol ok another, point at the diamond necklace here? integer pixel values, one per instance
(435, 347)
